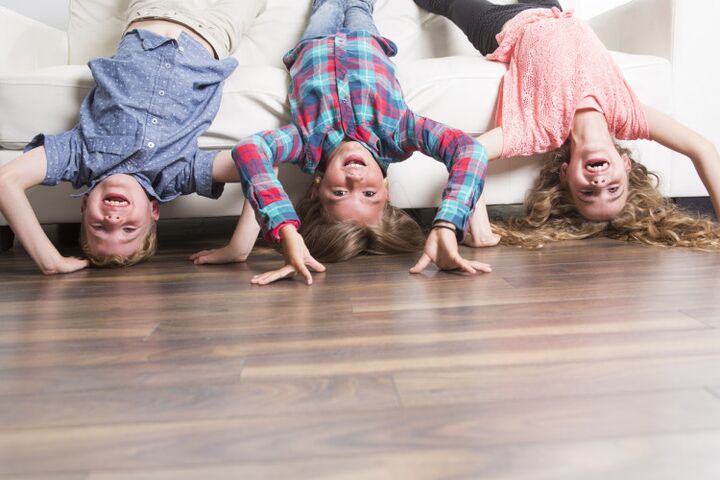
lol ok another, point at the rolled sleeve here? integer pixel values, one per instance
(202, 175)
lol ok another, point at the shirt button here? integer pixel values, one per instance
(182, 49)
(167, 65)
(151, 144)
(154, 121)
(161, 93)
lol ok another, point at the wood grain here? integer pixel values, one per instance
(584, 360)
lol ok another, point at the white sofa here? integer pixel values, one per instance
(43, 78)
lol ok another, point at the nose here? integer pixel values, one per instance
(598, 181)
(355, 175)
(112, 219)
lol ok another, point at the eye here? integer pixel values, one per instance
(97, 228)
(586, 193)
(369, 193)
(129, 229)
(613, 189)
(339, 193)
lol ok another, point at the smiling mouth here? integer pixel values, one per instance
(596, 166)
(354, 161)
(116, 200)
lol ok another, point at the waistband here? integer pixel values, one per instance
(221, 22)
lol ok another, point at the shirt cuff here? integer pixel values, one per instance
(456, 213)
(204, 185)
(274, 234)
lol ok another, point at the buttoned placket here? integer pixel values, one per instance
(153, 127)
(347, 119)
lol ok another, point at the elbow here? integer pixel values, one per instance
(703, 149)
(5, 178)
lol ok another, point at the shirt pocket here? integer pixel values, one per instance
(112, 144)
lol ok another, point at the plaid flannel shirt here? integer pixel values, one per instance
(344, 87)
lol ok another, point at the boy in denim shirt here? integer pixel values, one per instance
(136, 142)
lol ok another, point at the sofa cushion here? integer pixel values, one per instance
(442, 76)
(94, 28)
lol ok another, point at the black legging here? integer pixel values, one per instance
(480, 19)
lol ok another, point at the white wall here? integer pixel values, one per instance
(696, 63)
(51, 12)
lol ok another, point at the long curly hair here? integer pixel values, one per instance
(331, 241)
(647, 217)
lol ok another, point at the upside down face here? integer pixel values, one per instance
(353, 187)
(117, 215)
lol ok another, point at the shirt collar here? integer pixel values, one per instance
(151, 40)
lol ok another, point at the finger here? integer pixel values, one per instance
(303, 270)
(200, 259)
(481, 267)
(421, 264)
(465, 266)
(83, 263)
(269, 277)
(315, 265)
(199, 254)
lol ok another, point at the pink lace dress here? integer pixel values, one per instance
(557, 65)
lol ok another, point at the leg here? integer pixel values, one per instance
(7, 238)
(359, 16)
(229, 21)
(222, 23)
(542, 3)
(479, 19)
(326, 18)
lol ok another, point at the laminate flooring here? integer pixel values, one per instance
(584, 360)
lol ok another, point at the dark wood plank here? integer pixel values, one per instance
(495, 384)
(293, 437)
(196, 401)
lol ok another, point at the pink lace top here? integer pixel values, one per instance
(556, 65)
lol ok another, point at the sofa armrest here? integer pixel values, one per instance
(642, 27)
(27, 44)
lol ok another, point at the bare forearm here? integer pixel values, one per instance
(247, 230)
(707, 164)
(17, 210)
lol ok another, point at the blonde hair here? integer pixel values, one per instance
(331, 241)
(647, 217)
(145, 252)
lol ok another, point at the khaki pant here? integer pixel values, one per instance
(220, 22)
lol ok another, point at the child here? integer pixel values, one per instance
(563, 93)
(350, 122)
(136, 142)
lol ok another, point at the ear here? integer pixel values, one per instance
(83, 204)
(315, 188)
(155, 209)
(563, 172)
(627, 162)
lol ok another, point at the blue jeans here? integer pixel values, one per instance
(329, 16)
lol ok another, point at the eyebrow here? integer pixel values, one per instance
(612, 199)
(125, 240)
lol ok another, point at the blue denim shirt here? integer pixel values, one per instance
(151, 101)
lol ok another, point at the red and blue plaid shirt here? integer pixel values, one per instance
(344, 87)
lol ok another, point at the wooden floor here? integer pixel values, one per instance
(588, 360)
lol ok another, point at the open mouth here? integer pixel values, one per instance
(596, 166)
(354, 161)
(115, 200)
